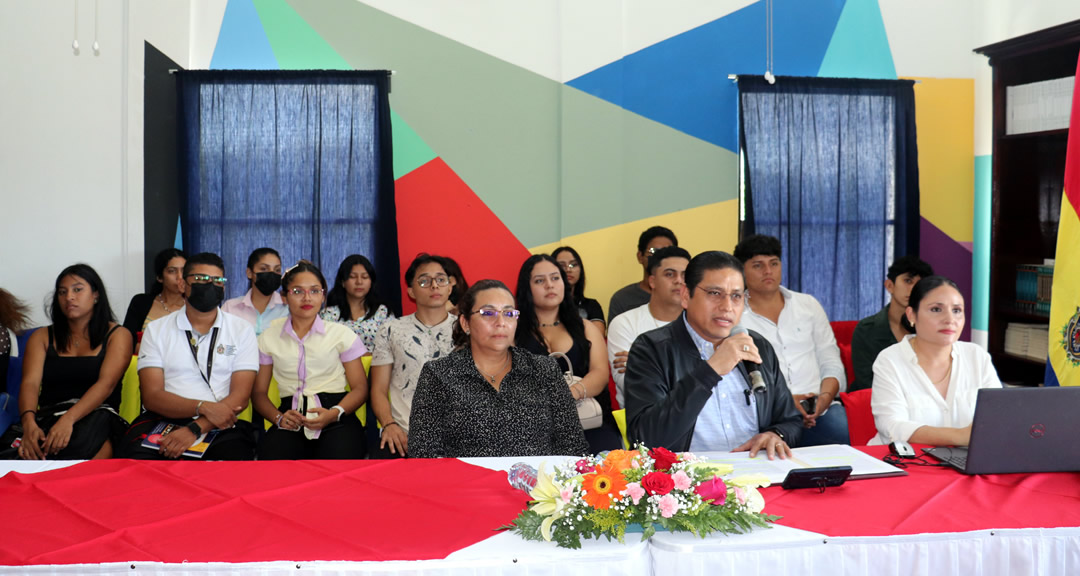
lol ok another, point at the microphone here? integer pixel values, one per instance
(757, 383)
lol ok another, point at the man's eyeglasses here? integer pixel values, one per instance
(301, 291)
(718, 296)
(204, 278)
(440, 281)
(567, 266)
(489, 314)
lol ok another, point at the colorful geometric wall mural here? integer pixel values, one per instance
(494, 159)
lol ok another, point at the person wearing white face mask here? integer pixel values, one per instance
(196, 369)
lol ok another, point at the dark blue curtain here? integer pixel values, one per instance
(299, 161)
(831, 169)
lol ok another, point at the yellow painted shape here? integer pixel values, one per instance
(610, 254)
(620, 421)
(945, 121)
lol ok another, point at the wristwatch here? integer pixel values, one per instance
(340, 412)
(194, 427)
(778, 433)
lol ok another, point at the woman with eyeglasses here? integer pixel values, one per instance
(261, 304)
(354, 300)
(550, 323)
(165, 297)
(488, 398)
(313, 362)
(572, 266)
(71, 375)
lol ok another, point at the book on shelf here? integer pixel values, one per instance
(1033, 283)
(1031, 341)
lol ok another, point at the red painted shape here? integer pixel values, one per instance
(438, 213)
(1072, 155)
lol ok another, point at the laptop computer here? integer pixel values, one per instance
(1019, 430)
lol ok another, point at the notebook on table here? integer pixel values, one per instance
(1019, 430)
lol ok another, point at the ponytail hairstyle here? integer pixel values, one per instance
(921, 289)
(301, 266)
(465, 305)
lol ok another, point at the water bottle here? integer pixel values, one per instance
(522, 476)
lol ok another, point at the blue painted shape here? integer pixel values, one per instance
(682, 82)
(980, 290)
(178, 242)
(242, 43)
(859, 47)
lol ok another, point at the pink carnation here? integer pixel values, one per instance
(566, 494)
(668, 506)
(682, 481)
(740, 495)
(634, 491)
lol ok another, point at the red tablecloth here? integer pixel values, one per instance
(929, 500)
(121, 510)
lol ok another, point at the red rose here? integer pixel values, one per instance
(657, 483)
(713, 489)
(663, 457)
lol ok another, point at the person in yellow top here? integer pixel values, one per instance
(312, 361)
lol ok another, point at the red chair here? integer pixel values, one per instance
(843, 331)
(860, 418)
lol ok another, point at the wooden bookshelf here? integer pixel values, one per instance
(1028, 178)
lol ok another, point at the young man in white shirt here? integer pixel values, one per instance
(402, 347)
(633, 295)
(798, 329)
(667, 273)
(196, 369)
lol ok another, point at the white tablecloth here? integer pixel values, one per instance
(771, 552)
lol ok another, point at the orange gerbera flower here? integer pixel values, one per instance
(620, 459)
(604, 482)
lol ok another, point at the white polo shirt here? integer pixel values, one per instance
(165, 345)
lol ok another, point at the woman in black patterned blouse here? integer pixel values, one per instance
(489, 398)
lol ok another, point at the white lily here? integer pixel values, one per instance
(547, 501)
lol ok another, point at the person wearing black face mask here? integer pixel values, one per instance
(196, 371)
(262, 303)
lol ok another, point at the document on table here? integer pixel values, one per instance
(862, 465)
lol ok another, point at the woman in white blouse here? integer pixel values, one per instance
(925, 385)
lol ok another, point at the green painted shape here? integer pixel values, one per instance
(980, 274)
(295, 44)
(859, 47)
(410, 150)
(549, 160)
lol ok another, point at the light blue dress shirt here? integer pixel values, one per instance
(726, 421)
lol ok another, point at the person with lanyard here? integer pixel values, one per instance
(404, 345)
(489, 398)
(313, 361)
(196, 369)
(261, 304)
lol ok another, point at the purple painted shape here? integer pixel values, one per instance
(950, 259)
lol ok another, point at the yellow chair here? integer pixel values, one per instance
(620, 420)
(131, 400)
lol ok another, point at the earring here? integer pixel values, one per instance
(467, 332)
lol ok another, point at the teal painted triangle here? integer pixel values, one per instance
(296, 44)
(410, 150)
(178, 243)
(241, 43)
(859, 46)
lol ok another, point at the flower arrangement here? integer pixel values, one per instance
(606, 494)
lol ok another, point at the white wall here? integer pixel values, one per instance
(71, 156)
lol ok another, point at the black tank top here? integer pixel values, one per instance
(69, 377)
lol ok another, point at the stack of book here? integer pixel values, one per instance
(1033, 282)
(1031, 341)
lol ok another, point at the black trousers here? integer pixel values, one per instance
(343, 440)
(88, 435)
(237, 443)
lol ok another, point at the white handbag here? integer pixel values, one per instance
(588, 409)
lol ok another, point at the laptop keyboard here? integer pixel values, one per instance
(955, 457)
